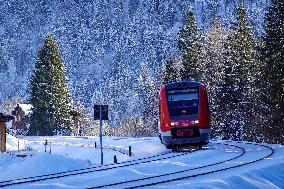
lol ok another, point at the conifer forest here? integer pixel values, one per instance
(65, 56)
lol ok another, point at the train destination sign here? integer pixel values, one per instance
(104, 109)
(189, 90)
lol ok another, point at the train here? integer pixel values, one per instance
(184, 116)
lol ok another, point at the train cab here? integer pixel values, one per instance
(184, 117)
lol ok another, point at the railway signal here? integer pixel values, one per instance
(101, 113)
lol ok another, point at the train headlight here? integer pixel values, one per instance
(195, 122)
(174, 123)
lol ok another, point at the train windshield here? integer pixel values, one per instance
(183, 103)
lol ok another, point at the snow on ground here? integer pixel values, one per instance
(266, 174)
(83, 147)
(42, 163)
(12, 143)
(69, 153)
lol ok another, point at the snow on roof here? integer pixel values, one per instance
(27, 108)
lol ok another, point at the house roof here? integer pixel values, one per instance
(26, 108)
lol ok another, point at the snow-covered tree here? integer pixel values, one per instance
(49, 93)
(148, 99)
(171, 72)
(230, 70)
(243, 57)
(190, 47)
(274, 58)
(215, 47)
(239, 80)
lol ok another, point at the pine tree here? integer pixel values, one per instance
(244, 49)
(243, 60)
(274, 58)
(203, 16)
(148, 97)
(189, 45)
(171, 72)
(49, 93)
(237, 90)
(215, 47)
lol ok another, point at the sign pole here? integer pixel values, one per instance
(101, 113)
(101, 137)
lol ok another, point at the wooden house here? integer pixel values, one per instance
(21, 115)
(78, 118)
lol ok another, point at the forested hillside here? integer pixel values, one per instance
(115, 51)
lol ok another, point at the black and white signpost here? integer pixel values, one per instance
(101, 113)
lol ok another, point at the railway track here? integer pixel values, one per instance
(190, 173)
(158, 178)
(163, 156)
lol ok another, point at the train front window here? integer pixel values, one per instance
(183, 104)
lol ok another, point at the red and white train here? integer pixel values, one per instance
(184, 117)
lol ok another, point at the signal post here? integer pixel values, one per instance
(101, 113)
